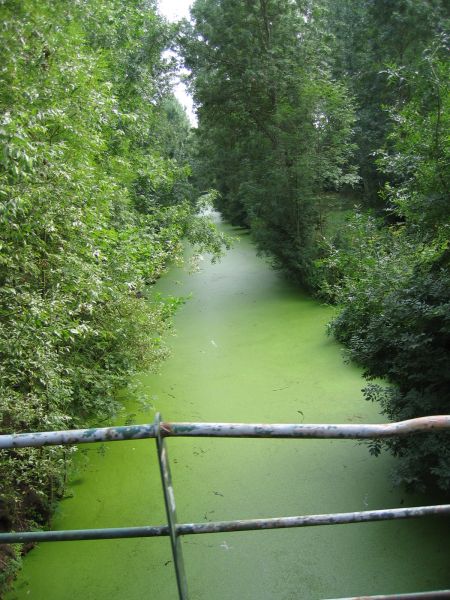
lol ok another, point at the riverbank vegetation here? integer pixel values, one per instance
(298, 101)
(95, 202)
(323, 126)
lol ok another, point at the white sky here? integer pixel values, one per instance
(174, 10)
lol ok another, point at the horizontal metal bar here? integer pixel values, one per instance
(227, 526)
(233, 430)
(77, 436)
(327, 431)
(73, 535)
(314, 520)
(411, 596)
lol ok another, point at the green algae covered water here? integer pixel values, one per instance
(249, 347)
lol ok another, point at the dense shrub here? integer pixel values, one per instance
(394, 281)
(95, 200)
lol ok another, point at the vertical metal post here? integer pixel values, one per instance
(169, 500)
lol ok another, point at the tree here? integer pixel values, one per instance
(394, 282)
(95, 201)
(368, 36)
(274, 127)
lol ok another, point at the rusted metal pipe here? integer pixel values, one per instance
(231, 430)
(411, 596)
(295, 430)
(77, 436)
(160, 430)
(227, 526)
(74, 535)
(314, 520)
(171, 511)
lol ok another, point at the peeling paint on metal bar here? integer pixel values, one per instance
(171, 513)
(161, 430)
(77, 436)
(294, 430)
(314, 520)
(412, 596)
(233, 430)
(228, 526)
(71, 535)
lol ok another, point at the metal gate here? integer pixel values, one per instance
(161, 430)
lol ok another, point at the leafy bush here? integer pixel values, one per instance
(275, 129)
(393, 282)
(93, 208)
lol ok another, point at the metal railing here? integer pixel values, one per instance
(161, 430)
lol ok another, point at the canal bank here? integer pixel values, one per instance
(249, 347)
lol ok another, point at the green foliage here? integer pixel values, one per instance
(95, 200)
(394, 281)
(274, 127)
(98, 180)
(10, 562)
(366, 37)
(418, 164)
(291, 97)
(403, 337)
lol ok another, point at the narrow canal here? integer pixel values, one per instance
(248, 347)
